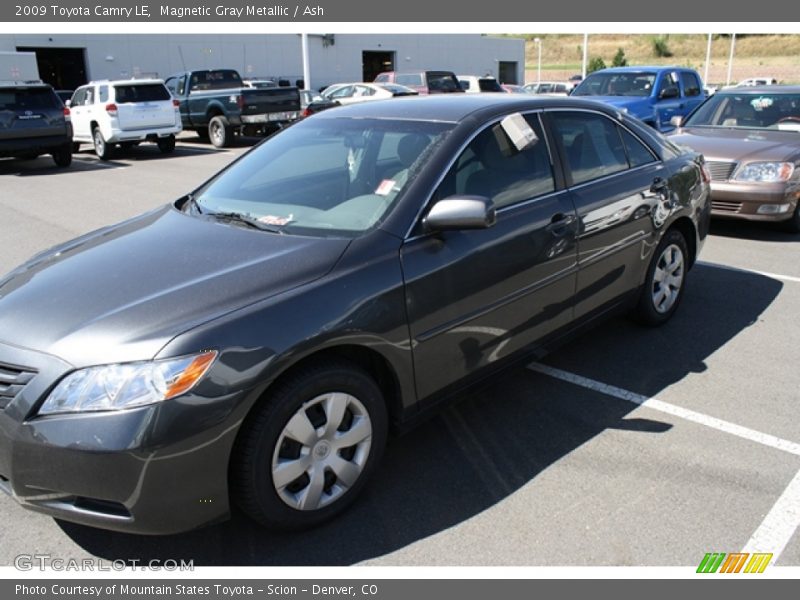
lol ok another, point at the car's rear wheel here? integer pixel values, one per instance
(63, 156)
(307, 451)
(220, 132)
(665, 281)
(166, 144)
(101, 148)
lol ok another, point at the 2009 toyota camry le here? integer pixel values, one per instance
(255, 341)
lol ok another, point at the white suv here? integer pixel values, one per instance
(126, 112)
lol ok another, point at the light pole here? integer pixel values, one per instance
(730, 58)
(708, 59)
(538, 43)
(585, 55)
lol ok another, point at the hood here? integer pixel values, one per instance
(121, 293)
(740, 145)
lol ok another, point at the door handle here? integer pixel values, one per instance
(560, 223)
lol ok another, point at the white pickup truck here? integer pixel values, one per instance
(125, 113)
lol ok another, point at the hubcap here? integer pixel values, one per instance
(321, 451)
(667, 278)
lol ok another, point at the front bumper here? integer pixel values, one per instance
(157, 469)
(743, 200)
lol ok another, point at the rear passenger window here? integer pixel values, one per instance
(592, 145)
(638, 154)
(488, 168)
(691, 85)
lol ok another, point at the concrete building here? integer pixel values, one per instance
(69, 60)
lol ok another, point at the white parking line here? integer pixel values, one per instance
(779, 525)
(781, 522)
(740, 270)
(671, 409)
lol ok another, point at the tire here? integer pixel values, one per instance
(220, 132)
(101, 148)
(793, 224)
(283, 482)
(76, 147)
(665, 281)
(63, 156)
(166, 144)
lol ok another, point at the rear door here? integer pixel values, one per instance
(692, 91)
(476, 297)
(143, 106)
(610, 172)
(31, 112)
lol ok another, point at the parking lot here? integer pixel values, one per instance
(628, 446)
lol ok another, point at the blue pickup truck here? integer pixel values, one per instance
(653, 94)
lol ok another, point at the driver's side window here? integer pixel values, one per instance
(491, 167)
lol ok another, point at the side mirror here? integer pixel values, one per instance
(460, 212)
(669, 92)
(676, 121)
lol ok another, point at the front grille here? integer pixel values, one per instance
(12, 380)
(720, 170)
(724, 206)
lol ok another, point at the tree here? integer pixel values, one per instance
(595, 64)
(660, 47)
(619, 59)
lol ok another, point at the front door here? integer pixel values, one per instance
(476, 297)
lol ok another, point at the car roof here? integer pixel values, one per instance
(124, 81)
(640, 68)
(453, 108)
(761, 89)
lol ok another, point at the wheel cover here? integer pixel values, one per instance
(322, 451)
(99, 142)
(216, 132)
(667, 278)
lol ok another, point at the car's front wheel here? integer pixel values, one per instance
(793, 224)
(665, 281)
(306, 452)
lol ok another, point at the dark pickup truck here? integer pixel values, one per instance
(216, 105)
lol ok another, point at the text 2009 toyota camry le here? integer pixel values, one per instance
(255, 341)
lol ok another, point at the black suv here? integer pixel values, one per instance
(33, 121)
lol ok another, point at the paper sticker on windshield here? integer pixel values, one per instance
(518, 131)
(385, 187)
(761, 103)
(273, 220)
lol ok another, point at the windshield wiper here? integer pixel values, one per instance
(245, 219)
(194, 204)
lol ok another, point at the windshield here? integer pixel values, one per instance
(751, 111)
(616, 84)
(337, 177)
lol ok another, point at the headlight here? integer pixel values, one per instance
(121, 386)
(765, 171)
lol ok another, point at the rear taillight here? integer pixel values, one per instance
(240, 101)
(111, 109)
(176, 103)
(66, 113)
(306, 113)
